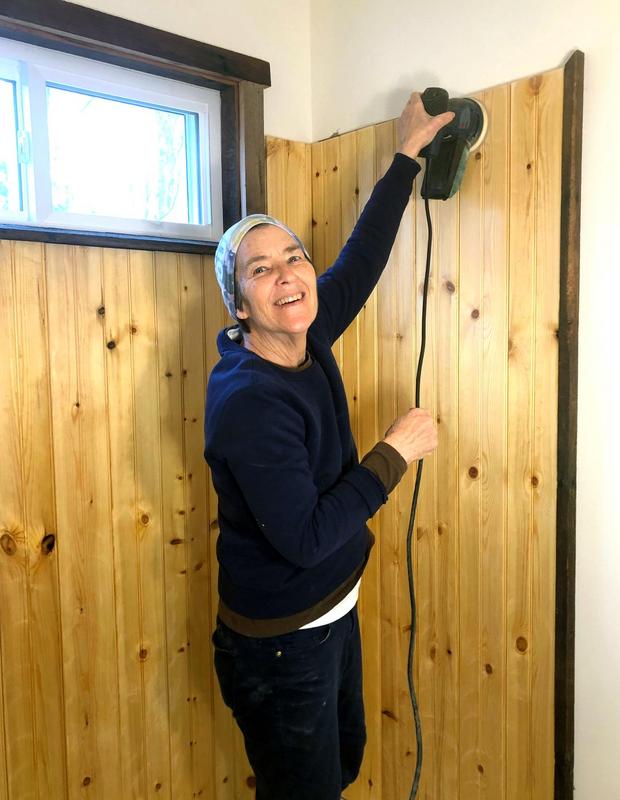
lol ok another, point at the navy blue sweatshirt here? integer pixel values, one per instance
(293, 498)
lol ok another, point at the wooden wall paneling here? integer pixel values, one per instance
(544, 432)
(472, 474)
(83, 503)
(445, 742)
(289, 185)
(332, 220)
(493, 161)
(169, 348)
(17, 663)
(194, 476)
(116, 316)
(520, 419)
(149, 528)
(40, 520)
(370, 782)
(397, 728)
(318, 206)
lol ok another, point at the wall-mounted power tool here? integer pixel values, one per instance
(446, 156)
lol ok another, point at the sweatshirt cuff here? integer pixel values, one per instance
(386, 463)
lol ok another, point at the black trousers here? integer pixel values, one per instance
(298, 701)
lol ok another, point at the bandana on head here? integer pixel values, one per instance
(226, 254)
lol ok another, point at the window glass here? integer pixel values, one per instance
(116, 158)
(10, 184)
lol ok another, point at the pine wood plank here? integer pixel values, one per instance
(148, 526)
(472, 475)
(396, 733)
(17, 664)
(520, 419)
(544, 476)
(40, 519)
(369, 606)
(494, 388)
(116, 314)
(82, 481)
(201, 688)
(318, 206)
(169, 348)
(446, 580)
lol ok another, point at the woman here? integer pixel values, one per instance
(293, 499)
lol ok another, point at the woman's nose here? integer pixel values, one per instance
(285, 273)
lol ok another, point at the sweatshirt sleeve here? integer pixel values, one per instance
(344, 288)
(262, 440)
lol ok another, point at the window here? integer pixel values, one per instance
(91, 146)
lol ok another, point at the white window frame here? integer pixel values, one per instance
(34, 67)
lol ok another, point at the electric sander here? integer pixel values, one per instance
(446, 156)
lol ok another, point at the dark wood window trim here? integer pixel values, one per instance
(240, 80)
(567, 428)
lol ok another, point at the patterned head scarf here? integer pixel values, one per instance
(226, 254)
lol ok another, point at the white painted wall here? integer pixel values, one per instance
(274, 30)
(338, 65)
(366, 57)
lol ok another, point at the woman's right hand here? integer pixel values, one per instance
(414, 435)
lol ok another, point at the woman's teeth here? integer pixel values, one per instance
(290, 299)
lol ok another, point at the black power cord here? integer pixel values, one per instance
(414, 505)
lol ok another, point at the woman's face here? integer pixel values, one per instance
(277, 283)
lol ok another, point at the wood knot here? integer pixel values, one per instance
(101, 311)
(133, 329)
(143, 654)
(47, 543)
(522, 644)
(317, 174)
(157, 786)
(86, 781)
(535, 481)
(473, 472)
(475, 313)
(357, 191)
(450, 287)
(251, 782)
(529, 165)
(168, 374)
(481, 769)
(478, 156)
(536, 83)
(433, 653)
(335, 168)
(8, 544)
(488, 669)
(111, 344)
(177, 541)
(389, 714)
(145, 519)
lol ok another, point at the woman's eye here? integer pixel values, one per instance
(294, 258)
(258, 270)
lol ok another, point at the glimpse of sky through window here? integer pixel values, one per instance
(135, 156)
(10, 195)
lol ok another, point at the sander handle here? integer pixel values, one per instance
(435, 101)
